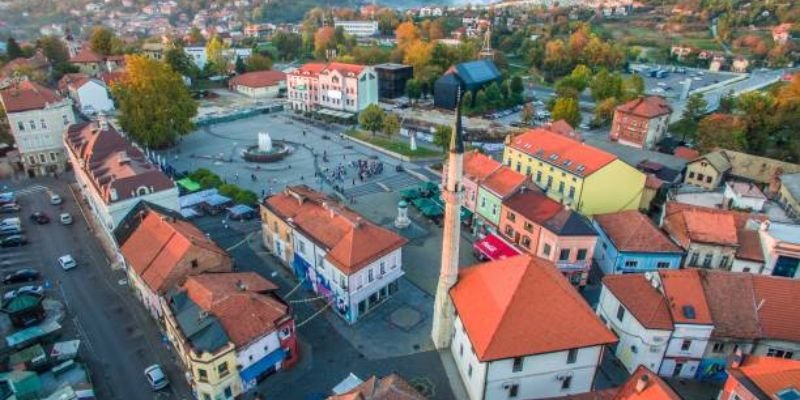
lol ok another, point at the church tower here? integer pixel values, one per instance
(453, 196)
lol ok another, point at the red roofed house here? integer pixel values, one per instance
(477, 167)
(688, 323)
(260, 84)
(38, 117)
(346, 88)
(641, 123)
(113, 174)
(495, 188)
(522, 331)
(88, 62)
(337, 253)
(90, 94)
(574, 173)
(231, 330)
(643, 384)
(162, 251)
(756, 378)
(37, 63)
(391, 387)
(781, 33)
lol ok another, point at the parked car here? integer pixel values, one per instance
(156, 377)
(65, 218)
(9, 208)
(67, 262)
(40, 218)
(55, 199)
(32, 289)
(13, 241)
(21, 275)
(10, 230)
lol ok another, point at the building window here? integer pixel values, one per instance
(383, 267)
(662, 264)
(723, 262)
(685, 345)
(42, 158)
(222, 369)
(469, 371)
(194, 263)
(206, 396)
(202, 375)
(700, 177)
(571, 192)
(370, 275)
(563, 255)
(620, 313)
(581, 254)
(691, 175)
(513, 391)
(538, 176)
(510, 215)
(707, 260)
(693, 259)
(52, 156)
(546, 249)
(560, 187)
(483, 202)
(779, 353)
(572, 356)
(302, 247)
(566, 383)
(631, 263)
(517, 365)
(527, 226)
(43, 123)
(526, 242)
(549, 182)
(228, 392)
(31, 160)
(32, 124)
(719, 347)
(461, 350)
(708, 179)
(509, 231)
(21, 126)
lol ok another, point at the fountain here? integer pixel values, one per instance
(267, 150)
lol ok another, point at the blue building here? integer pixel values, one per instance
(629, 242)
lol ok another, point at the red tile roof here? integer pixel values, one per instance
(118, 169)
(27, 95)
(159, 244)
(36, 62)
(110, 77)
(345, 69)
(749, 246)
(686, 153)
(258, 79)
(565, 129)
(533, 205)
(543, 145)
(312, 69)
(778, 313)
(72, 80)
(687, 223)
(522, 306)
(646, 107)
(644, 384)
(391, 387)
(352, 241)
(644, 302)
(685, 292)
(504, 181)
(245, 303)
(634, 232)
(86, 56)
(477, 166)
(769, 374)
(732, 303)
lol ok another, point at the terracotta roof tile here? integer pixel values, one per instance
(477, 166)
(391, 387)
(71, 80)
(686, 153)
(749, 246)
(684, 291)
(86, 56)
(654, 389)
(345, 69)
(27, 95)
(244, 303)
(563, 128)
(769, 374)
(543, 145)
(258, 79)
(732, 303)
(523, 306)
(647, 107)
(778, 313)
(647, 304)
(533, 205)
(312, 69)
(634, 232)
(697, 225)
(504, 181)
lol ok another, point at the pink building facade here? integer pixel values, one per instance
(335, 86)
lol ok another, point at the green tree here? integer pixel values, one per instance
(694, 109)
(288, 44)
(195, 36)
(605, 85)
(239, 66)
(727, 103)
(413, 90)
(493, 96)
(604, 111)
(391, 125)
(582, 75)
(633, 87)
(720, 131)
(481, 102)
(247, 197)
(568, 87)
(528, 114)
(258, 62)
(54, 49)
(566, 108)
(155, 107)
(372, 118)
(466, 103)
(181, 62)
(516, 85)
(757, 110)
(13, 50)
(441, 136)
(215, 51)
(101, 40)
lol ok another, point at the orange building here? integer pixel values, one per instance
(641, 123)
(757, 378)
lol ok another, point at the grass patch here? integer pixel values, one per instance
(393, 145)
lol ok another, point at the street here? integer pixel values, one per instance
(118, 339)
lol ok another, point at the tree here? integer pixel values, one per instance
(195, 36)
(757, 111)
(493, 96)
(633, 87)
(720, 131)
(258, 62)
(581, 75)
(155, 106)
(604, 111)
(215, 51)
(605, 85)
(406, 33)
(372, 118)
(180, 62)
(54, 49)
(694, 109)
(239, 66)
(101, 40)
(481, 102)
(323, 41)
(13, 50)
(516, 85)
(418, 55)
(413, 90)
(528, 114)
(441, 136)
(466, 102)
(391, 125)
(727, 103)
(288, 44)
(566, 108)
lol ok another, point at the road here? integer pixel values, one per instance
(119, 340)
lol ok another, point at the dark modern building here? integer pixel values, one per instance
(392, 79)
(472, 75)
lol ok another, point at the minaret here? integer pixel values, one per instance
(453, 196)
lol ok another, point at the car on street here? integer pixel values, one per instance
(156, 377)
(40, 218)
(10, 230)
(9, 208)
(67, 262)
(21, 275)
(65, 218)
(13, 241)
(55, 199)
(32, 289)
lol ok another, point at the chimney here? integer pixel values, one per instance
(123, 158)
(736, 359)
(764, 226)
(642, 382)
(241, 286)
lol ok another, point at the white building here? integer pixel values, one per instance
(37, 117)
(259, 84)
(113, 174)
(358, 28)
(90, 94)
(522, 331)
(743, 195)
(200, 57)
(341, 87)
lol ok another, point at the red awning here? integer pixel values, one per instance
(494, 248)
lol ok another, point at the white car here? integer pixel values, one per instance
(156, 377)
(33, 289)
(65, 218)
(55, 199)
(67, 262)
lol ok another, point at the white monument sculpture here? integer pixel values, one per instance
(264, 142)
(402, 221)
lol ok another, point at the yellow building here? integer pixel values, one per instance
(586, 179)
(276, 211)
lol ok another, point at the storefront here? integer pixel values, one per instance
(492, 247)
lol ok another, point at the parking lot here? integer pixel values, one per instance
(118, 340)
(671, 84)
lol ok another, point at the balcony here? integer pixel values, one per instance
(574, 266)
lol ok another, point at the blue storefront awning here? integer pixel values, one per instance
(250, 374)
